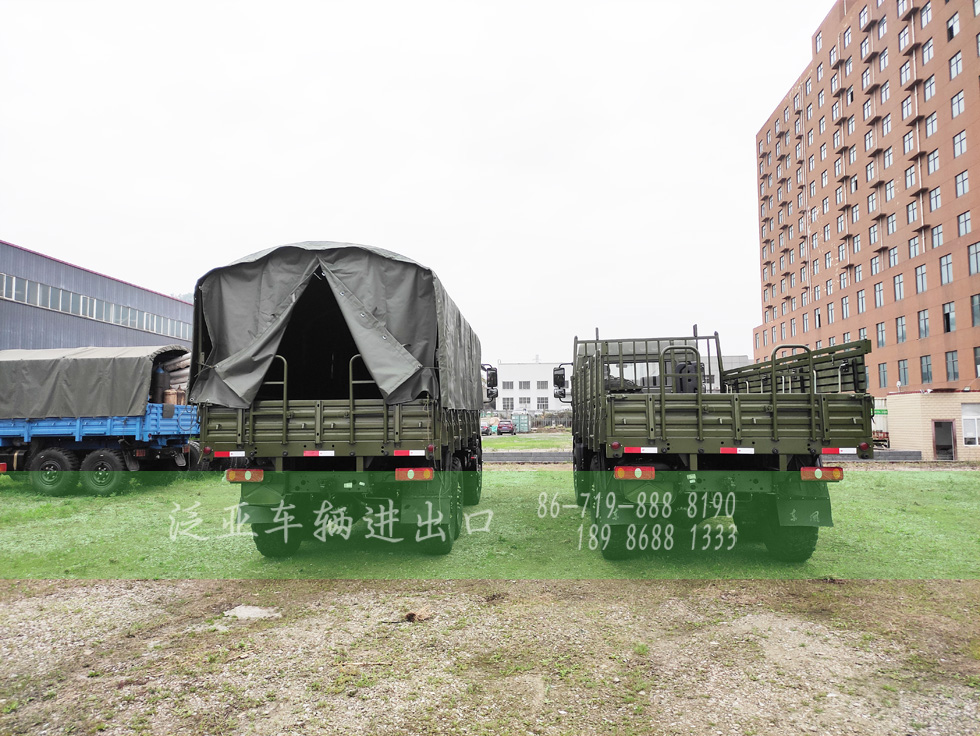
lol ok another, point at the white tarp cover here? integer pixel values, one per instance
(410, 334)
(78, 382)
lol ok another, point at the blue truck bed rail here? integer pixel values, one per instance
(162, 424)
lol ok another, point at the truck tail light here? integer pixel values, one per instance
(824, 474)
(207, 450)
(247, 475)
(632, 472)
(864, 447)
(414, 473)
(140, 453)
(3, 467)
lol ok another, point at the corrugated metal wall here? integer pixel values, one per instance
(29, 327)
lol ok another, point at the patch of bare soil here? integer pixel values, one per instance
(490, 657)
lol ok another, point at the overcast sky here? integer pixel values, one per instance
(556, 163)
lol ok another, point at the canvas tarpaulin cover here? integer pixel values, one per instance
(78, 382)
(408, 331)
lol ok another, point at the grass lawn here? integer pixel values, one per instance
(890, 524)
(551, 441)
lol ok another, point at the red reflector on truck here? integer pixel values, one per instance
(630, 472)
(839, 451)
(824, 474)
(249, 475)
(232, 453)
(409, 453)
(3, 467)
(414, 473)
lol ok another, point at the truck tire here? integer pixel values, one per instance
(103, 472)
(791, 543)
(195, 457)
(54, 471)
(473, 484)
(275, 544)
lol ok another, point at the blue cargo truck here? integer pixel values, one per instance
(90, 415)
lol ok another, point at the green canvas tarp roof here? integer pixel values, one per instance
(408, 330)
(78, 382)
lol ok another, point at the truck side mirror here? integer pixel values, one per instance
(491, 376)
(558, 377)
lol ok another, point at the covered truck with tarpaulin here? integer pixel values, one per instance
(344, 384)
(91, 414)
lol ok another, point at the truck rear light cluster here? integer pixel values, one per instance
(248, 475)
(632, 472)
(3, 467)
(824, 474)
(414, 473)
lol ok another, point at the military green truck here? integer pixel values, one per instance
(343, 383)
(664, 437)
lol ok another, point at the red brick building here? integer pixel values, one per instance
(869, 224)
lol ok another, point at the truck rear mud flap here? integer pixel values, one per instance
(804, 511)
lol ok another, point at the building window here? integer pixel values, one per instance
(956, 65)
(959, 144)
(910, 177)
(923, 323)
(524, 401)
(903, 372)
(936, 236)
(861, 303)
(887, 158)
(928, 51)
(507, 385)
(882, 375)
(957, 104)
(879, 294)
(845, 307)
(908, 142)
(933, 162)
(946, 269)
(949, 317)
(963, 226)
(900, 329)
(926, 14)
(971, 419)
(508, 404)
(935, 199)
(920, 279)
(973, 253)
(929, 88)
(952, 366)
(925, 366)
(975, 309)
(952, 27)
(899, 283)
(893, 257)
(913, 246)
(542, 385)
(542, 403)
(912, 211)
(880, 333)
(962, 183)
(524, 385)
(932, 123)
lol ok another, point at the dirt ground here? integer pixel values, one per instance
(482, 657)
